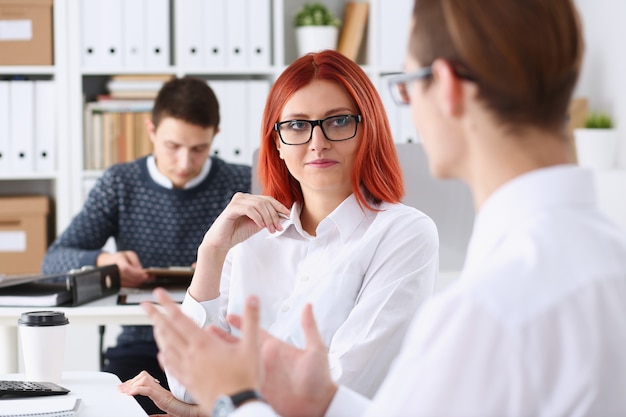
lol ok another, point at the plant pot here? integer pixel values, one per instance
(316, 38)
(596, 148)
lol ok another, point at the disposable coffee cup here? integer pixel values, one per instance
(42, 335)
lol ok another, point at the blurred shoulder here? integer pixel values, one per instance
(395, 213)
(126, 169)
(231, 168)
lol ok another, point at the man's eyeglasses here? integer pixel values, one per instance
(399, 84)
(334, 128)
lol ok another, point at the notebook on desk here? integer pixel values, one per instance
(12, 280)
(52, 406)
(36, 294)
(72, 288)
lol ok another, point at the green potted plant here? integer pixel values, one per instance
(598, 121)
(317, 28)
(596, 143)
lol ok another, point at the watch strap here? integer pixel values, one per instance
(246, 395)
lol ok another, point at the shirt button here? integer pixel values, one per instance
(211, 319)
(285, 309)
(304, 278)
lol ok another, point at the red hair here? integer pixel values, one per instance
(377, 175)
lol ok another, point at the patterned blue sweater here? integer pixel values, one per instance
(163, 226)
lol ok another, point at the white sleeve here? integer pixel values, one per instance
(254, 409)
(203, 313)
(456, 360)
(347, 403)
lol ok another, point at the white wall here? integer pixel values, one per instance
(603, 77)
(603, 83)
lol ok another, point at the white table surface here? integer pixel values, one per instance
(104, 311)
(98, 393)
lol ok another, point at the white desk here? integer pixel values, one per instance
(100, 312)
(98, 393)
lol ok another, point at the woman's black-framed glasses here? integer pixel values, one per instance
(399, 84)
(334, 128)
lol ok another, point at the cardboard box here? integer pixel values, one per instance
(577, 114)
(26, 32)
(23, 233)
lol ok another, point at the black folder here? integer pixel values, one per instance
(73, 288)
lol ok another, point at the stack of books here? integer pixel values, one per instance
(115, 128)
(115, 131)
(142, 87)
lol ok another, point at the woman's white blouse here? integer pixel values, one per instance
(365, 272)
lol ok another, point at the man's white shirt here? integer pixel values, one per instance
(536, 325)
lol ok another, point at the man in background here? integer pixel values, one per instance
(157, 208)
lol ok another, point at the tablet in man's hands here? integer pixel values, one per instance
(172, 276)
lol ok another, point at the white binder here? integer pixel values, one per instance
(408, 133)
(218, 147)
(111, 33)
(21, 146)
(189, 25)
(394, 30)
(236, 34)
(134, 39)
(257, 96)
(232, 144)
(92, 46)
(258, 44)
(236, 120)
(45, 126)
(392, 110)
(157, 32)
(215, 33)
(4, 126)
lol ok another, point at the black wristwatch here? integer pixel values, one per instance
(225, 405)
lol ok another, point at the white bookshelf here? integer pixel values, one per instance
(283, 52)
(65, 185)
(52, 183)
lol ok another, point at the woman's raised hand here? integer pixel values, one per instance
(245, 215)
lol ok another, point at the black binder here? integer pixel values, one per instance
(73, 288)
(90, 284)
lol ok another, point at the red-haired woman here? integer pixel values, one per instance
(329, 230)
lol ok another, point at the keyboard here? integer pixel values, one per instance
(30, 389)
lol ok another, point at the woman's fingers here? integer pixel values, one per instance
(264, 211)
(145, 384)
(141, 380)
